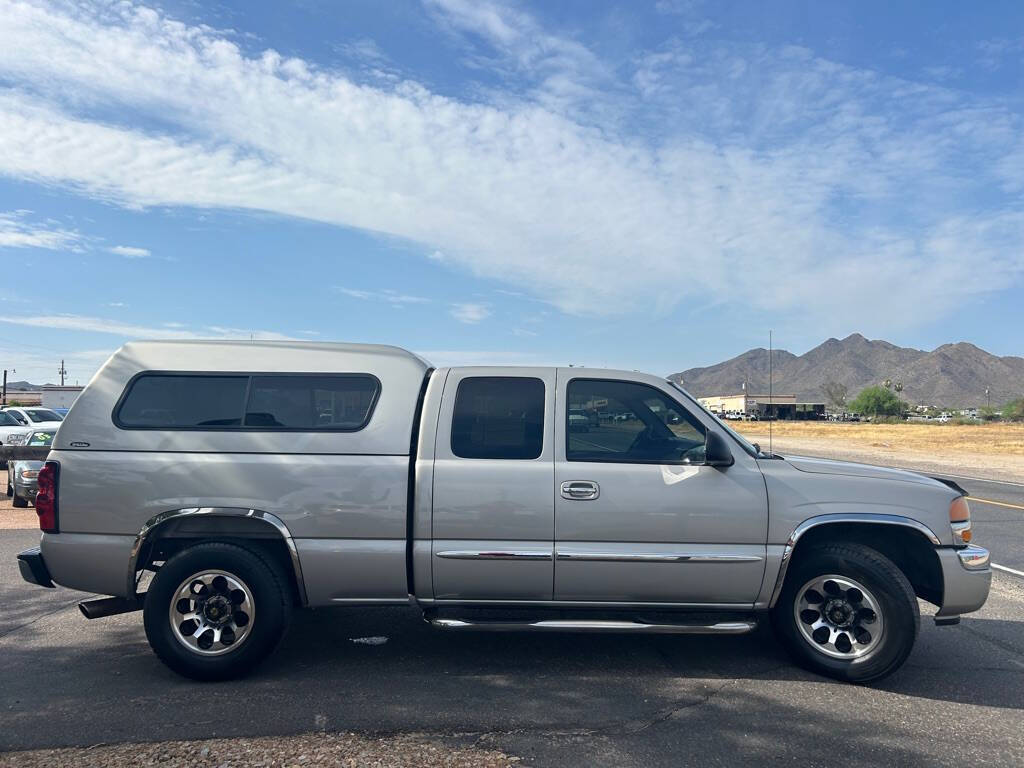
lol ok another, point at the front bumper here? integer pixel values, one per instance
(966, 578)
(26, 490)
(33, 568)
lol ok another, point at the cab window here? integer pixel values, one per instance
(498, 417)
(626, 422)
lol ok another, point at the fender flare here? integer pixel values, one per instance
(174, 514)
(819, 520)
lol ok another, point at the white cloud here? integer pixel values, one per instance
(40, 367)
(387, 295)
(17, 232)
(167, 331)
(364, 50)
(470, 314)
(130, 251)
(745, 176)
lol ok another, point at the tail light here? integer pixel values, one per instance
(960, 520)
(46, 498)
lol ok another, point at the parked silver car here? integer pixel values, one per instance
(252, 477)
(23, 474)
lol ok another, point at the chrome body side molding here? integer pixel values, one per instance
(157, 520)
(475, 554)
(657, 557)
(866, 517)
(597, 625)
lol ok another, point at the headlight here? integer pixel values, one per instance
(960, 520)
(29, 474)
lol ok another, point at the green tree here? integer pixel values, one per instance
(877, 401)
(1014, 410)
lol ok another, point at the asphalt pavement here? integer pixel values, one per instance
(550, 699)
(997, 518)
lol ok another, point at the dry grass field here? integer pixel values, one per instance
(984, 450)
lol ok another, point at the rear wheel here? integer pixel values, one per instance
(214, 611)
(848, 612)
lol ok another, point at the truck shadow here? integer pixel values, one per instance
(385, 670)
(946, 665)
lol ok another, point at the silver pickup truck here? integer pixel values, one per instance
(234, 481)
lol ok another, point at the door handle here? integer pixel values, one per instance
(580, 490)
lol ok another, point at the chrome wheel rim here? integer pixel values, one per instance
(212, 612)
(839, 617)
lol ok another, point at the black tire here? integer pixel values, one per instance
(18, 501)
(887, 585)
(271, 595)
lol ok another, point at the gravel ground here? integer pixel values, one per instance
(316, 749)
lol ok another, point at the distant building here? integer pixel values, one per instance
(58, 397)
(762, 406)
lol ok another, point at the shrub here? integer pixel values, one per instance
(877, 401)
(1014, 410)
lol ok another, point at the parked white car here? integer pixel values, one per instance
(35, 418)
(12, 432)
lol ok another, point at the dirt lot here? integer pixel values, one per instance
(993, 451)
(10, 517)
(320, 749)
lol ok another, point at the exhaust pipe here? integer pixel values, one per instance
(109, 606)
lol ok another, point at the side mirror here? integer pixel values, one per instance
(716, 451)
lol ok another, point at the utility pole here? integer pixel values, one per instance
(63, 372)
(3, 397)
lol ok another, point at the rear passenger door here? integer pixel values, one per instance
(493, 513)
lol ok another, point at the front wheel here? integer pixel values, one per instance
(214, 611)
(848, 612)
(18, 501)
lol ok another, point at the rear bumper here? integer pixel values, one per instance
(90, 562)
(966, 578)
(33, 568)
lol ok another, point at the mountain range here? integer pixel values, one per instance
(953, 375)
(24, 386)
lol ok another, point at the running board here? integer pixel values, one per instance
(597, 625)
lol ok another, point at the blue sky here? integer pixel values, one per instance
(640, 185)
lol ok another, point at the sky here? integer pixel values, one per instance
(642, 185)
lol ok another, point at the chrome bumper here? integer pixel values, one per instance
(966, 577)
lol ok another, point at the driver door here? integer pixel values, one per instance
(638, 517)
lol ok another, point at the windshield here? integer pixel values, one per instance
(733, 433)
(42, 414)
(6, 420)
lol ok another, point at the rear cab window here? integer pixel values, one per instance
(248, 402)
(498, 417)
